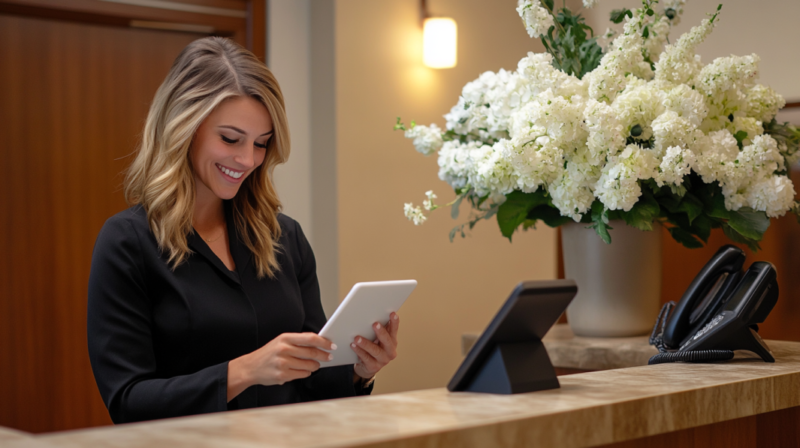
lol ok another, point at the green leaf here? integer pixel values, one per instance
(549, 3)
(646, 32)
(549, 214)
(688, 204)
(687, 239)
(643, 213)
(618, 15)
(736, 237)
(749, 223)
(701, 227)
(514, 210)
(740, 136)
(454, 208)
(600, 221)
(718, 209)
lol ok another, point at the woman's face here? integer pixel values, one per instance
(229, 145)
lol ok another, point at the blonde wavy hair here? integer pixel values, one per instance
(161, 179)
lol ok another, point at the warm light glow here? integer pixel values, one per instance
(439, 38)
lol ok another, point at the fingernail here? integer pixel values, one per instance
(358, 340)
(378, 326)
(394, 316)
(330, 357)
(333, 347)
(353, 345)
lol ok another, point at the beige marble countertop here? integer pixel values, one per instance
(8, 434)
(589, 409)
(575, 352)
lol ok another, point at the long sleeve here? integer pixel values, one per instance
(120, 334)
(329, 382)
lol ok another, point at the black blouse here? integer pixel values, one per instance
(160, 340)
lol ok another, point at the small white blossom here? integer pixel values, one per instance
(678, 63)
(414, 214)
(659, 34)
(537, 19)
(677, 162)
(589, 3)
(427, 139)
(428, 203)
(773, 195)
(762, 103)
(618, 187)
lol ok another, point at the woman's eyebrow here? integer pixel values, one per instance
(234, 128)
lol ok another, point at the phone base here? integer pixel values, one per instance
(515, 368)
(750, 340)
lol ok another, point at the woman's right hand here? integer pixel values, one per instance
(288, 357)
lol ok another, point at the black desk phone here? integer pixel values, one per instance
(719, 312)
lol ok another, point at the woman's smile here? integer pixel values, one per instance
(229, 174)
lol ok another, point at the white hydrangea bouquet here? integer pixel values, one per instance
(641, 131)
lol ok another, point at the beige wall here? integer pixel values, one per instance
(379, 76)
(767, 28)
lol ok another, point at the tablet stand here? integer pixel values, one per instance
(515, 367)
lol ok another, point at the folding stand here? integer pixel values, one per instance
(514, 368)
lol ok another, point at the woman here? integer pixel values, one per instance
(202, 296)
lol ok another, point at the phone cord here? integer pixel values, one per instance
(667, 355)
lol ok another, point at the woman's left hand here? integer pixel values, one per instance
(374, 355)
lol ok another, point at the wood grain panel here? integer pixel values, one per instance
(74, 99)
(768, 430)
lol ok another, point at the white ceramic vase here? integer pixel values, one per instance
(619, 284)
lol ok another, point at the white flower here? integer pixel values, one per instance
(572, 192)
(678, 63)
(714, 156)
(639, 104)
(773, 195)
(589, 3)
(493, 174)
(749, 125)
(677, 163)
(671, 130)
(606, 134)
(428, 203)
(427, 139)
(537, 20)
(762, 103)
(623, 58)
(414, 213)
(618, 187)
(659, 34)
(688, 103)
(456, 161)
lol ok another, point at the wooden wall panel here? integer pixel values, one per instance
(73, 99)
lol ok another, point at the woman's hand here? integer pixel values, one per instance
(288, 357)
(374, 355)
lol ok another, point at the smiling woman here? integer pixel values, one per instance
(203, 297)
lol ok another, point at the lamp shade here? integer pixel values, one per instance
(439, 37)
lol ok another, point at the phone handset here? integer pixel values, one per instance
(719, 312)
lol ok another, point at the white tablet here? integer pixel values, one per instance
(365, 304)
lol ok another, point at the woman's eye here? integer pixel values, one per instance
(261, 145)
(228, 140)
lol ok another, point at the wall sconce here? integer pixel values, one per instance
(439, 40)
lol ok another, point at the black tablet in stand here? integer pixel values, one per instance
(509, 357)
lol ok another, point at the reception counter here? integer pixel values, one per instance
(744, 402)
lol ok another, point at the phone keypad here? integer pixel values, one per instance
(708, 327)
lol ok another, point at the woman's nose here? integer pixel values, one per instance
(246, 157)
